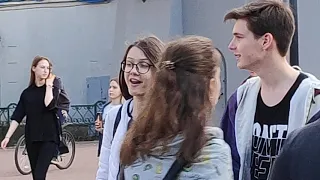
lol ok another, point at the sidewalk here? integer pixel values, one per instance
(84, 166)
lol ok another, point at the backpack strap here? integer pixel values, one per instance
(118, 118)
(175, 169)
(117, 121)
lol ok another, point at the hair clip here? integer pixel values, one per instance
(168, 64)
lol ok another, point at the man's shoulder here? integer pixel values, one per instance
(301, 138)
(311, 81)
(311, 84)
(249, 83)
(250, 87)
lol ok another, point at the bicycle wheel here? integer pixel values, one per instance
(21, 158)
(66, 160)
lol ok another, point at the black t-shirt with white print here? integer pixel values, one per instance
(269, 132)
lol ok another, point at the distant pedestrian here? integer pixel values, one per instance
(115, 99)
(38, 102)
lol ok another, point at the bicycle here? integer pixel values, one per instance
(25, 169)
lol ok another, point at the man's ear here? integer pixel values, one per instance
(267, 40)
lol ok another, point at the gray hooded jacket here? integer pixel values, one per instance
(213, 163)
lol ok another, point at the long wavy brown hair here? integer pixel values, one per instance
(179, 101)
(152, 47)
(35, 62)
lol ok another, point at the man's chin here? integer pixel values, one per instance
(242, 66)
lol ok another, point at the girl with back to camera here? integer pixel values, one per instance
(136, 76)
(172, 125)
(39, 103)
(115, 99)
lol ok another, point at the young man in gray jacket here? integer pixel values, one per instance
(265, 109)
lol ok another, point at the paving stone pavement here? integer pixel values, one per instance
(84, 166)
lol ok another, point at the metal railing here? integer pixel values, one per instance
(82, 115)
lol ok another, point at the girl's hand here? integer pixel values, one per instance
(5, 142)
(50, 79)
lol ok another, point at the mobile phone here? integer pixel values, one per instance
(99, 115)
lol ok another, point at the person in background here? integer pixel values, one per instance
(299, 158)
(173, 123)
(38, 102)
(115, 99)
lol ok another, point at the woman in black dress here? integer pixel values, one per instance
(38, 102)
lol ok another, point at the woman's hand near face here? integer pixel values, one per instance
(50, 79)
(49, 90)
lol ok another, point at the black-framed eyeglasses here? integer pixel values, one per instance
(141, 67)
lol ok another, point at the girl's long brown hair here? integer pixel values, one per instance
(152, 47)
(179, 101)
(35, 62)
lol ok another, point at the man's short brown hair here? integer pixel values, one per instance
(267, 16)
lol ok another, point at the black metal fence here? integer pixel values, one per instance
(79, 115)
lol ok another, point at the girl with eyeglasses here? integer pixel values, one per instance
(136, 77)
